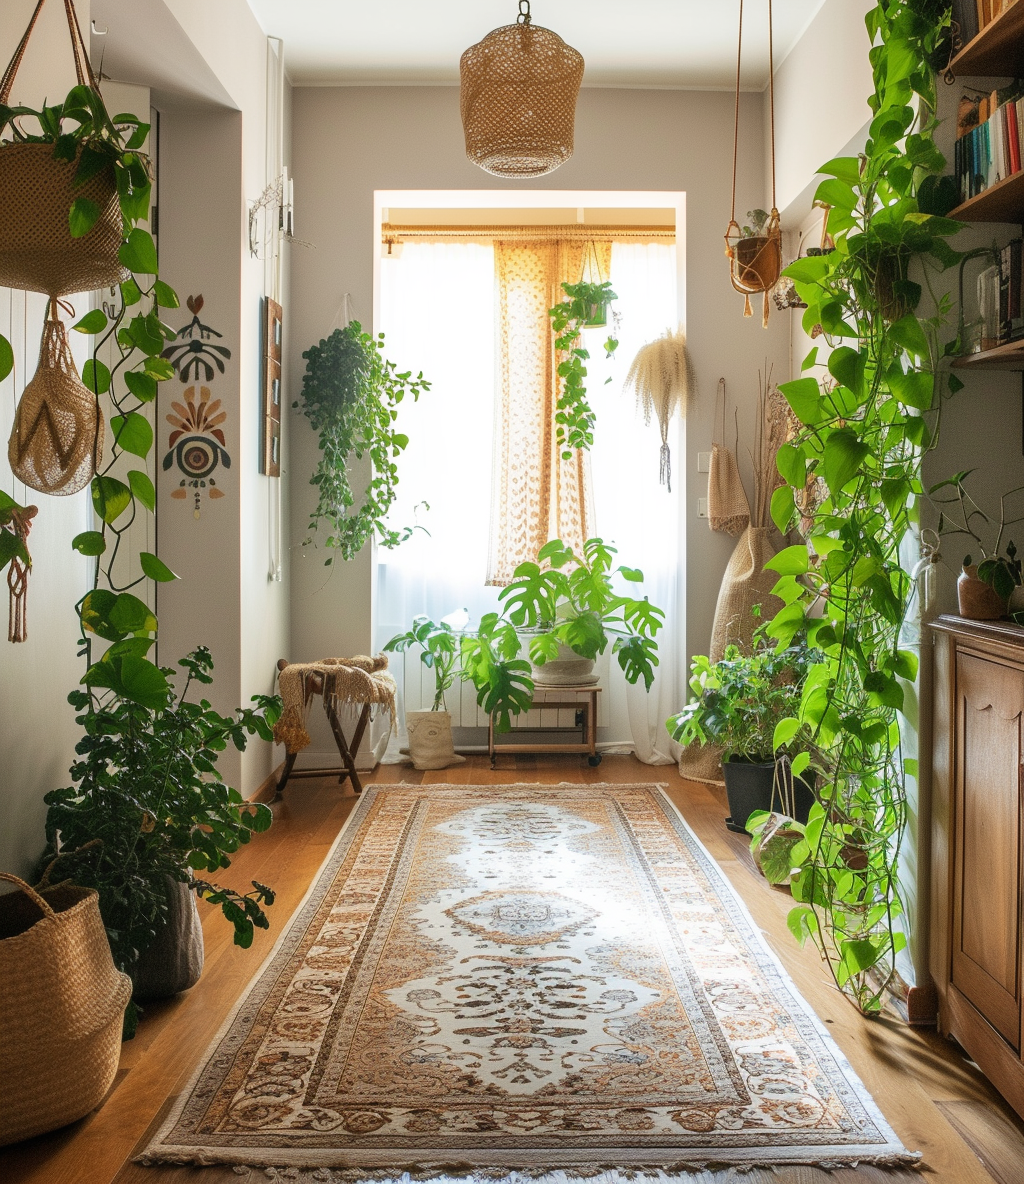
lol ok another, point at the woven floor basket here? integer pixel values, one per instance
(518, 100)
(37, 252)
(63, 1004)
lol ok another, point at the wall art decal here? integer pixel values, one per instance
(197, 446)
(270, 410)
(194, 354)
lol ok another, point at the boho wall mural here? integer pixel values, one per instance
(197, 446)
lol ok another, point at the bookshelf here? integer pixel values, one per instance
(998, 50)
(1008, 357)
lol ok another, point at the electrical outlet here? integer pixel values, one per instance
(702, 507)
(703, 462)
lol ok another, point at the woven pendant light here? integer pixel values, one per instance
(518, 99)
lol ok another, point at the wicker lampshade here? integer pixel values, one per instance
(518, 99)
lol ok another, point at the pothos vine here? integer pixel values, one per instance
(350, 395)
(863, 435)
(574, 417)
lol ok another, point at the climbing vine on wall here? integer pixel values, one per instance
(863, 434)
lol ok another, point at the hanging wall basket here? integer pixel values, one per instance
(755, 259)
(37, 252)
(56, 443)
(518, 99)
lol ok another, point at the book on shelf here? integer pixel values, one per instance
(989, 144)
(985, 11)
(1000, 293)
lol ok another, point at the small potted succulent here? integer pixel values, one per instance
(430, 732)
(739, 701)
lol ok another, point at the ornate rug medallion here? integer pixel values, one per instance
(522, 976)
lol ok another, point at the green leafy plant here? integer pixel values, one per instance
(574, 416)
(999, 565)
(757, 226)
(564, 600)
(741, 701)
(439, 644)
(350, 395)
(148, 802)
(864, 433)
(12, 542)
(80, 127)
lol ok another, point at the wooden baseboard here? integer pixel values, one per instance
(267, 790)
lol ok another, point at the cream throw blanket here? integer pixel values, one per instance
(345, 680)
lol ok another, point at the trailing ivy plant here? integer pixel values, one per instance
(863, 435)
(350, 395)
(574, 416)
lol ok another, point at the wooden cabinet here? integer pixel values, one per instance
(977, 850)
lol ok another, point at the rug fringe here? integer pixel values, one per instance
(716, 1171)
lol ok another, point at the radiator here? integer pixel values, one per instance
(416, 693)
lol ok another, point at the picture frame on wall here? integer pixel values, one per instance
(270, 434)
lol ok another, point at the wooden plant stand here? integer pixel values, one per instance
(315, 686)
(585, 696)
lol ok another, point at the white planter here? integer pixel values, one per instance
(568, 669)
(430, 739)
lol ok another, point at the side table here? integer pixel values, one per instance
(583, 696)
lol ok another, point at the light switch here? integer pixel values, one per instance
(702, 507)
(703, 462)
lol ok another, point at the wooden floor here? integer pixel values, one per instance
(937, 1101)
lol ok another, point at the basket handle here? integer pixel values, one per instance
(30, 892)
(83, 67)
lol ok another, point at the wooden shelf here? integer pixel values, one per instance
(998, 50)
(1002, 202)
(1003, 357)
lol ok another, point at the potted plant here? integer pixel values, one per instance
(350, 395)
(574, 417)
(984, 589)
(739, 702)
(567, 612)
(149, 808)
(430, 732)
(758, 252)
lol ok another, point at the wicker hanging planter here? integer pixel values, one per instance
(755, 259)
(518, 99)
(37, 251)
(56, 443)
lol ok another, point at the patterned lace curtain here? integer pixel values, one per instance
(536, 496)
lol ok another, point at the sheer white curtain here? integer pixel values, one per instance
(633, 511)
(438, 312)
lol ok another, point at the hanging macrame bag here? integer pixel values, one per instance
(755, 258)
(37, 251)
(63, 1006)
(728, 508)
(56, 443)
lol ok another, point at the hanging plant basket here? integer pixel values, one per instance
(52, 185)
(37, 250)
(757, 261)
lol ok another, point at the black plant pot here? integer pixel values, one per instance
(749, 788)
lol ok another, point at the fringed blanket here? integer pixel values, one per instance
(339, 680)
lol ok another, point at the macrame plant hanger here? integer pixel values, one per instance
(755, 261)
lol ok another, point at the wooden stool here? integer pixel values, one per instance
(584, 698)
(316, 685)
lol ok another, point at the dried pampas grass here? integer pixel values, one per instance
(662, 377)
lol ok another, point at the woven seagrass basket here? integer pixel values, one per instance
(37, 252)
(63, 1005)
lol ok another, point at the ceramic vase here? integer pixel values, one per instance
(567, 670)
(430, 739)
(978, 601)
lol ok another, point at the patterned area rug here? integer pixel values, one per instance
(522, 977)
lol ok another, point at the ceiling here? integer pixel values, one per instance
(641, 43)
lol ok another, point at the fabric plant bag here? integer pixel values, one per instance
(63, 1007)
(728, 508)
(745, 586)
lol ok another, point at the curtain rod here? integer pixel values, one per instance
(529, 233)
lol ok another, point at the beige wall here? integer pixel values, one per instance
(821, 90)
(350, 141)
